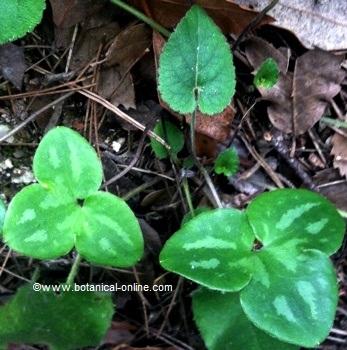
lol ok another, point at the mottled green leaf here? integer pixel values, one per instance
(2, 214)
(39, 223)
(224, 326)
(299, 215)
(67, 321)
(294, 298)
(171, 134)
(227, 162)
(108, 232)
(18, 17)
(196, 67)
(65, 159)
(212, 249)
(267, 75)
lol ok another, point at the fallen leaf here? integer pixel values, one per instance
(118, 333)
(230, 17)
(339, 151)
(217, 127)
(12, 64)
(67, 13)
(319, 23)
(331, 185)
(299, 99)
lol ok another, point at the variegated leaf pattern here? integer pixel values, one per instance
(293, 300)
(46, 220)
(114, 242)
(212, 249)
(224, 325)
(39, 223)
(66, 160)
(297, 215)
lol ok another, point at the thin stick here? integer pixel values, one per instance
(156, 26)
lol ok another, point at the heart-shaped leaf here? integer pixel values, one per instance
(292, 299)
(19, 17)
(173, 136)
(212, 249)
(65, 159)
(66, 321)
(40, 223)
(224, 326)
(108, 232)
(299, 215)
(46, 220)
(196, 67)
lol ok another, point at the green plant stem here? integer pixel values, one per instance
(188, 196)
(334, 122)
(74, 269)
(199, 165)
(156, 26)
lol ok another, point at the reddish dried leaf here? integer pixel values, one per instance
(229, 16)
(339, 151)
(298, 100)
(217, 127)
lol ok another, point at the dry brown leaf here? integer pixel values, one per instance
(299, 99)
(339, 151)
(217, 127)
(229, 16)
(320, 23)
(67, 13)
(12, 64)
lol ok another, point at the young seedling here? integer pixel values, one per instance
(19, 17)
(267, 75)
(271, 261)
(172, 135)
(227, 162)
(67, 321)
(66, 210)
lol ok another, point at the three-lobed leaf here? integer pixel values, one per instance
(64, 210)
(196, 67)
(19, 17)
(291, 282)
(64, 322)
(224, 325)
(171, 134)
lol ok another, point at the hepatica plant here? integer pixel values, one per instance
(265, 271)
(66, 210)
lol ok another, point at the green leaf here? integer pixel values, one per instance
(108, 232)
(227, 162)
(267, 74)
(298, 215)
(66, 321)
(212, 249)
(171, 134)
(39, 223)
(2, 214)
(293, 299)
(224, 326)
(19, 17)
(66, 160)
(196, 67)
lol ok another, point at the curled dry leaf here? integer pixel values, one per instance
(339, 151)
(228, 16)
(218, 127)
(299, 99)
(320, 23)
(12, 64)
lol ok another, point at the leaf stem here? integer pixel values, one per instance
(74, 269)
(188, 196)
(156, 26)
(199, 165)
